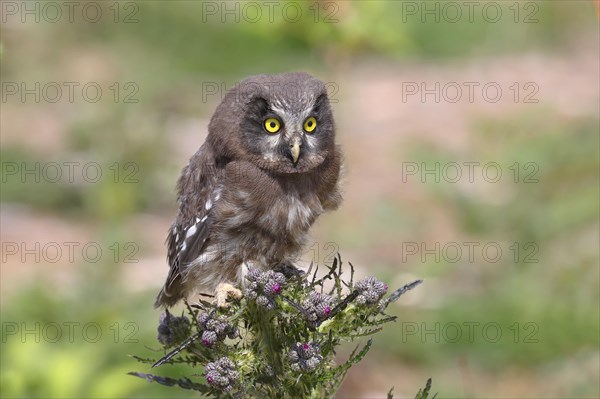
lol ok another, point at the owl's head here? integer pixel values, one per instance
(282, 123)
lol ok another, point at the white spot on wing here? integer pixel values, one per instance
(191, 231)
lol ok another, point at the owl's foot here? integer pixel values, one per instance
(289, 270)
(225, 291)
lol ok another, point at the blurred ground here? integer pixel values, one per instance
(533, 310)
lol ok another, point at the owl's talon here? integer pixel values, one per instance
(290, 271)
(224, 292)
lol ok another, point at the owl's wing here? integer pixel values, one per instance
(184, 245)
(198, 190)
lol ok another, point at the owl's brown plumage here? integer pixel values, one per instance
(249, 195)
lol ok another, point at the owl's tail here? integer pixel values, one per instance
(172, 292)
(167, 298)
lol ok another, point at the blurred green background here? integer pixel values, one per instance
(520, 323)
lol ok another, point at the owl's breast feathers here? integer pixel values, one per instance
(278, 205)
(234, 212)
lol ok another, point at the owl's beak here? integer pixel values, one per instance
(295, 150)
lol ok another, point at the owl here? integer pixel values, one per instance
(247, 198)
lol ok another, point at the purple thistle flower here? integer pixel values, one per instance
(275, 288)
(209, 338)
(305, 357)
(222, 374)
(172, 330)
(317, 306)
(264, 287)
(370, 291)
(215, 328)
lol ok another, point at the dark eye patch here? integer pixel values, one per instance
(321, 104)
(258, 108)
(252, 126)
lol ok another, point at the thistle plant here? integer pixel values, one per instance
(280, 339)
(172, 330)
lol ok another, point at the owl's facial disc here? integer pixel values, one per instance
(287, 135)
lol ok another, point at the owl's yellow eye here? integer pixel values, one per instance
(310, 124)
(272, 125)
